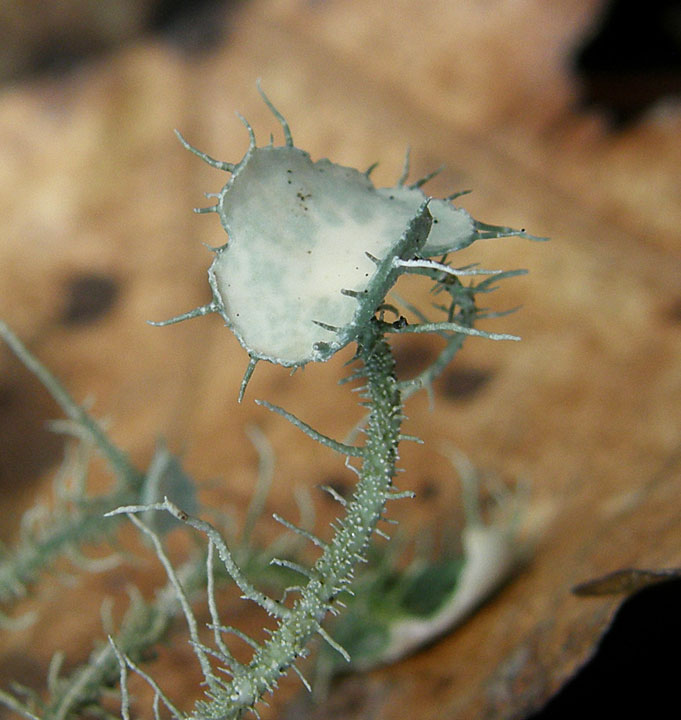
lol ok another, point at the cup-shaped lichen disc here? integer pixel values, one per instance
(314, 248)
(299, 234)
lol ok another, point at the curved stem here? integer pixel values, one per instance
(333, 571)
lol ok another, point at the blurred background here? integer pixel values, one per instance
(563, 118)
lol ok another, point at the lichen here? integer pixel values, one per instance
(314, 247)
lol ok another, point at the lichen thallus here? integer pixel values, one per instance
(314, 249)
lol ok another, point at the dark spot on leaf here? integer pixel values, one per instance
(88, 297)
(193, 28)
(412, 357)
(462, 383)
(56, 57)
(672, 312)
(427, 490)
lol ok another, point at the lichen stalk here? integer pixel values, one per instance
(333, 571)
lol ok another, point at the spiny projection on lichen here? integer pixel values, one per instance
(314, 248)
(330, 575)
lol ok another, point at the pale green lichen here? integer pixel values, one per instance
(401, 609)
(314, 247)
(73, 520)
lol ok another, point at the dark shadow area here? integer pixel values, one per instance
(72, 38)
(194, 27)
(462, 383)
(632, 60)
(88, 298)
(634, 673)
(27, 447)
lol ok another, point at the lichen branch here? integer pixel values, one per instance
(333, 571)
